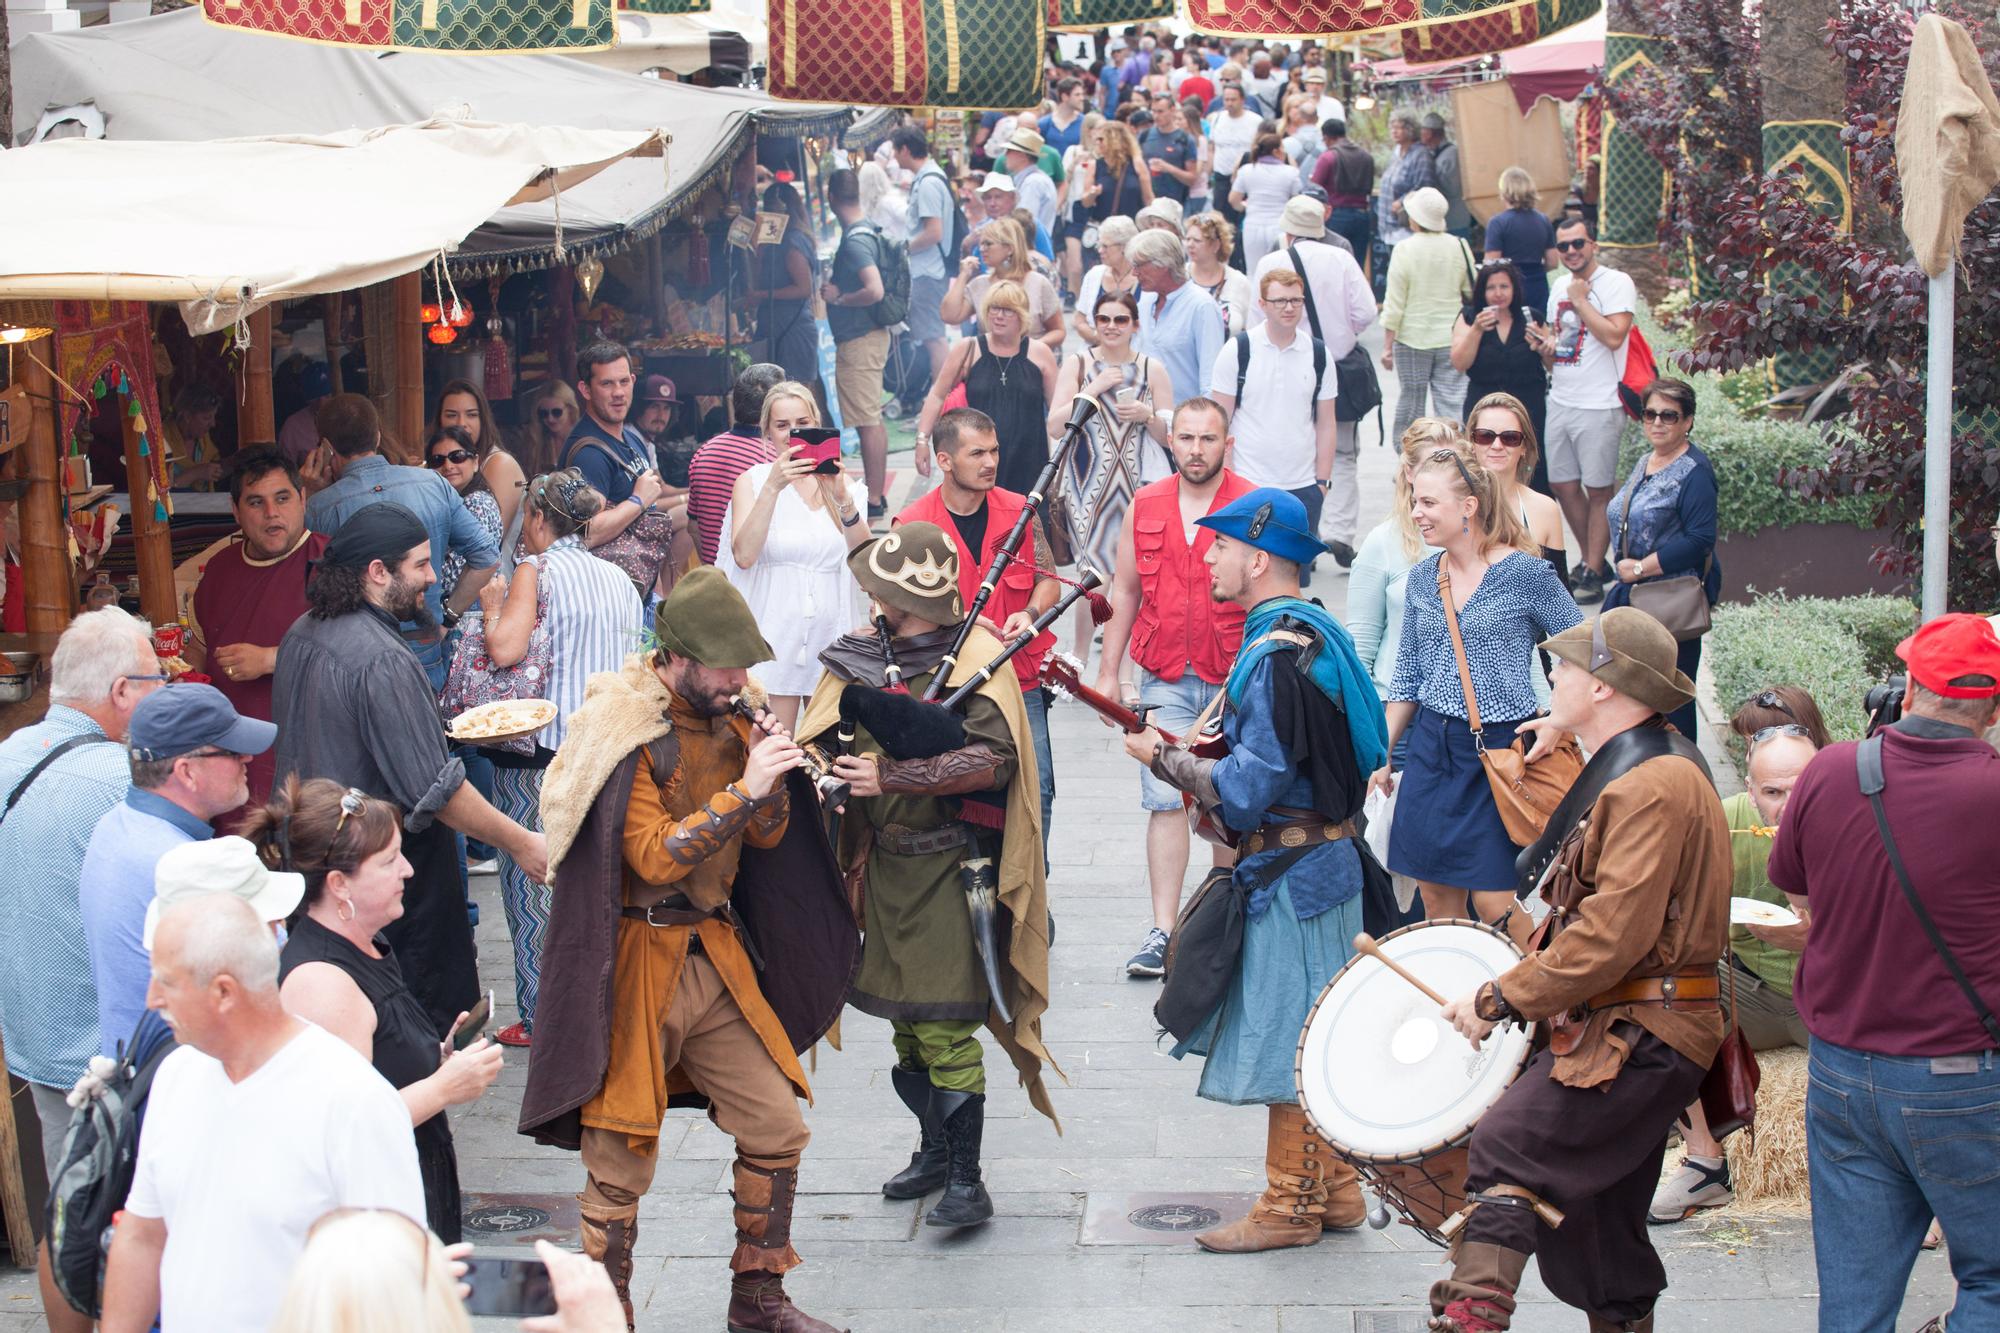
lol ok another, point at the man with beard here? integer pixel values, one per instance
(252, 590)
(353, 705)
(925, 834)
(1305, 728)
(1182, 640)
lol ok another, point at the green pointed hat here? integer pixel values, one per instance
(706, 619)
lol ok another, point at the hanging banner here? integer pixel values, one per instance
(970, 54)
(1302, 19)
(666, 6)
(1634, 190)
(499, 27)
(1502, 30)
(1090, 15)
(1813, 146)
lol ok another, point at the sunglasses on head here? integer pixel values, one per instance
(1513, 439)
(352, 802)
(1577, 244)
(455, 456)
(1667, 416)
(1769, 699)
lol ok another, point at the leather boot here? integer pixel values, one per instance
(1644, 1325)
(758, 1304)
(1478, 1297)
(965, 1202)
(607, 1238)
(1307, 1156)
(763, 1198)
(927, 1168)
(1288, 1213)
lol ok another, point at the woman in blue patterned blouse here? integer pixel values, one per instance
(1447, 833)
(1663, 518)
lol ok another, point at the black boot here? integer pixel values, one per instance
(926, 1170)
(965, 1202)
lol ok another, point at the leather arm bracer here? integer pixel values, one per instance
(1181, 769)
(953, 773)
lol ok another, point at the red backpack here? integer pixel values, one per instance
(1640, 371)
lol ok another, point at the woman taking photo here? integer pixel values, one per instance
(1663, 519)
(1447, 834)
(1210, 240)
(1008, 376)
(337, 969)
(1258, 191)
(555, 413)
(1522, 235)
(1430, 280)
(1490, 347)
(1003, 249)
(463, 404)
(572, 614)
(1112, 277)
(783, 279)
(785, 539)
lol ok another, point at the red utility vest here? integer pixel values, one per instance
(1015, 586)
(1179, 625)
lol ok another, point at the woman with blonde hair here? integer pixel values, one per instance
(1448, 835)
(1211, 238)
(1383, 562)
(1522, 235)
(1079, 164)
(370, 1270)
(1003, 249)
(1008, 376)
(554, 413)
(1121, 187)
(1113, 276)
(1502, 433)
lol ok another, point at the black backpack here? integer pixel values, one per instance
(1243, 370)
(100, 1155)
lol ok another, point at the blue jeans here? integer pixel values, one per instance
(1037, 702)
(1892, 1142)
(1357, 225)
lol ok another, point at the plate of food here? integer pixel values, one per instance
(507, 720)
(1757, 912)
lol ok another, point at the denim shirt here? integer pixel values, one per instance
(453, 529)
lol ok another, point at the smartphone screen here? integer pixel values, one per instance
(820, 444)
(475, 1023)
(508, 1287)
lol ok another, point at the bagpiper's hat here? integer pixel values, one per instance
(914, 568)
(1631, 652)
(1270, 520)
(705, 619)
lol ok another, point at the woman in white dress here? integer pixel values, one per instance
(1260, 191)
(785, 539)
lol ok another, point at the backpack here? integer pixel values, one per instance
(1640, 371)
(100, 1155)
(1243, 370)
(892, 261)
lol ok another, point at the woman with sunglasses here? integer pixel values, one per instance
(450, 452)
(556, 413)
(1663, 518)
(1504, 438)
(338, 970)
(463, 404)
(1490, 346)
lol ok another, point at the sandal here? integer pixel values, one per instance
(514, 1034)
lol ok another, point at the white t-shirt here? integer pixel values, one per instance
(1233, 137)
(240, 1171)
(1273, 422)
(1586, 372)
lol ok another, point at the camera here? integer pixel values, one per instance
(1884, 702)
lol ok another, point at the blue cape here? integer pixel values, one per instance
(1336, 670)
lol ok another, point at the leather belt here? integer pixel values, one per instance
(1298, 833)
(674, 911)
(1688, 990)
(900, 841)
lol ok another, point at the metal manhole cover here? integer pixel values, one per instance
(506, 1218)
(1174, 1217)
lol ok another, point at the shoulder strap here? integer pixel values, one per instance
(1625, 514)
(1868, 763)
(663, 756)
(1242, 365)
(1458, 651)
(56, 751)
(1611, 761)
(1319, 376)
(1312, 311)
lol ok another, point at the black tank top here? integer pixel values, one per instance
(1009, 389)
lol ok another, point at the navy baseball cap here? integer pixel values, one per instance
(191, 716)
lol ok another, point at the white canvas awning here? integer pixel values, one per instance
(226, 227)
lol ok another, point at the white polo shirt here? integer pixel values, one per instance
(1340, 291)
(1273, 424)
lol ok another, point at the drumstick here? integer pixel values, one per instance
(1365, 943)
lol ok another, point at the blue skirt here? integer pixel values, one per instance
(1252, 1040)
(1447, 829)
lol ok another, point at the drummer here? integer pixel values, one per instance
(1305, 728)
(1564, 1164)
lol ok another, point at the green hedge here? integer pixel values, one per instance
(1834, 648)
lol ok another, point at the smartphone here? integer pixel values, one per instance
(475, 1023)
(821, 444)
(508, 1287)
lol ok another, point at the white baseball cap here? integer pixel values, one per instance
(222, 865)
(998, 180)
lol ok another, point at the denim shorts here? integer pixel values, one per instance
(926, 303)
(1176, 704)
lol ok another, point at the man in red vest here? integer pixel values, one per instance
(1182, 640)
(978, 515)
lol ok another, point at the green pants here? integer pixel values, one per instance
(947, 1050)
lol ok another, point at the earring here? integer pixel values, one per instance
(345, 909)
(1465, 524)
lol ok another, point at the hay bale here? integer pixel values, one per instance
(1768, 1164)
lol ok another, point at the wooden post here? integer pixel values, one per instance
(19, 1219)
(48, 578)
(255, 417)
(336, 343)
(152, 539)
(407, 422)
(656, 283)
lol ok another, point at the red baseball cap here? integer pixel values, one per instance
(1952, 646)
(658, 389)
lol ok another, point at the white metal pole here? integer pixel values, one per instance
(1937, 442)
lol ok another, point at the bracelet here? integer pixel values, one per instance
(848, 521)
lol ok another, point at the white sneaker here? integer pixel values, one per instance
(1702, 1182)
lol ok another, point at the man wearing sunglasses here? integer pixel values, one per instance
(1583, 343)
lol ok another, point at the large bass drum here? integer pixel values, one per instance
(1391, 1086)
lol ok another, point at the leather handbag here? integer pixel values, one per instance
(1680, 602)
(1526, 794)
(1729, 1090)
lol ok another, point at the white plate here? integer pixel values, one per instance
(1757, 912)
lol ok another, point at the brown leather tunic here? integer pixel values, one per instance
(671, 844)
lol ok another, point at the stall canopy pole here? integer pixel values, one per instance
(152, 538)
(255, 417)
(1937, 442)
(407, 292)
(49, 579)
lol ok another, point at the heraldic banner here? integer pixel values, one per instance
(1812, 146)
(666, 6)
(1635, 185)
(1501, 30)
(1090, 15)
(491, 26)
(971, 54)
(1324, 18)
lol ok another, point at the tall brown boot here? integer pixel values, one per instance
(607, 1237)
(764, 1254)
(1478, 1297)
(1288, 1213)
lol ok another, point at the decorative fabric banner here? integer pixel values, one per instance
(1090, 15)
(1634, 191)
(666, 6)
(1814, 147)
(1301, 19)
(493, 26)
(983, 55)
(1501, 30)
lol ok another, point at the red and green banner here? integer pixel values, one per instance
(969, 54)
(666, 6)
(1090, 15)
(494, 26)
(1320, 18)
(1501, 30)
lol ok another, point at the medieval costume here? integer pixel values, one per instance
(1564, 1165)
(1305, 728)
(654, 989)
(911, 847)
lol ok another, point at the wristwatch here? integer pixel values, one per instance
(1325, 484)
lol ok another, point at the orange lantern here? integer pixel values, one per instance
(429, 312)
(442, 333)
(459, 316)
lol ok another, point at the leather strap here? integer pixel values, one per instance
(1698, 988)
(1611, 761)
(1458, 651)
(900, 841)
(1297, 833)
(671, 913)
